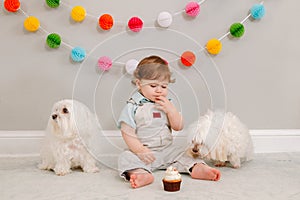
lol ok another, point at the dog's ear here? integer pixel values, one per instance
(84, 119)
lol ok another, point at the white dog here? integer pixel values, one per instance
(220, 137)
(70, 127)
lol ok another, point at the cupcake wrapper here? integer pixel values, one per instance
(171, 186)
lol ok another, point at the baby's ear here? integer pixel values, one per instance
(138, 83)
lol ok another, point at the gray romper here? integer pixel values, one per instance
(152, 128)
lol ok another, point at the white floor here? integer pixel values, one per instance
(268, 176)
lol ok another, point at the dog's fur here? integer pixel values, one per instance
(70, 127)
(233, 143)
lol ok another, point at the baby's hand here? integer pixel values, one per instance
(146, 155)
(162, 103)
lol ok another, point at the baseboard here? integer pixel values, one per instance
(28, 143)
(277, 140)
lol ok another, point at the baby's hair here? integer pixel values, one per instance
(153, 68)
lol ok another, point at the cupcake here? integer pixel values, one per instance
(172, 180)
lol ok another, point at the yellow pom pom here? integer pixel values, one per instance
(214, 46)
(31, 24)
(78, 13)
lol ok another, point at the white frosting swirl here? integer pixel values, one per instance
(172, 174)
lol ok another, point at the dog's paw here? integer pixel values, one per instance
(91, 169)
(61, 171)
(44, 166)
(235, 162)
(236, 166)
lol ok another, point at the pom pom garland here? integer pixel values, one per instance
(78, 13)
(31, 24)
(135, 24)
(192, 9)
(104, 63)
(164, 19)
(237, 30)
(53, 40)
(257, 11)
(78, 54)
(12, 5)
(106, 22)
(214, 46)
(53, 3)
(188, 58)
(131, 65)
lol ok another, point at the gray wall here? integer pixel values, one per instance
(256, 76)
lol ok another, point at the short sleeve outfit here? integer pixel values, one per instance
(153, 130)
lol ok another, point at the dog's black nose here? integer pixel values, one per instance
(195, 150)
(54, 116)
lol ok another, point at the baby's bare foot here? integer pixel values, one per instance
(204, 172)
(140, 178)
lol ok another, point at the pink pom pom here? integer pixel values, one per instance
(135, 24)
(192, 9)
(104, 63)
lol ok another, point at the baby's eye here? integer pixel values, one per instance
(164, 86)
(65, 111)
(153, 85)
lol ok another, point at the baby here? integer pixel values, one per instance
(146, 124)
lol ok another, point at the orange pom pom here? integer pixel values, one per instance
(188, 58)
(12, 5)
(106, 22)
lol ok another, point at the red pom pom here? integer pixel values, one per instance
(12, 5)
(135, 24)
(188, 58)
(106, 22)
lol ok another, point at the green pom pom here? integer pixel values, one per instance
(237, 30)
(53, 3)
(53, 40)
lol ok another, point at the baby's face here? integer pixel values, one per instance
(152, 89)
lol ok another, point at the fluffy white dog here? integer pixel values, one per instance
(70, 128)
(220, 137)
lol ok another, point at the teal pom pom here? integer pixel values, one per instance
(53, 3)
(78, 54)
(257, 11)
(53, 40)
(237, 30)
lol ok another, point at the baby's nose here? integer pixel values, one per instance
(158, 89)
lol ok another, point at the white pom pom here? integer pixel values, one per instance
(164, 19)
(131, 66)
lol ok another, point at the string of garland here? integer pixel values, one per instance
(135, 24)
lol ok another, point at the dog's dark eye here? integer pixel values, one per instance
(65, 110)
